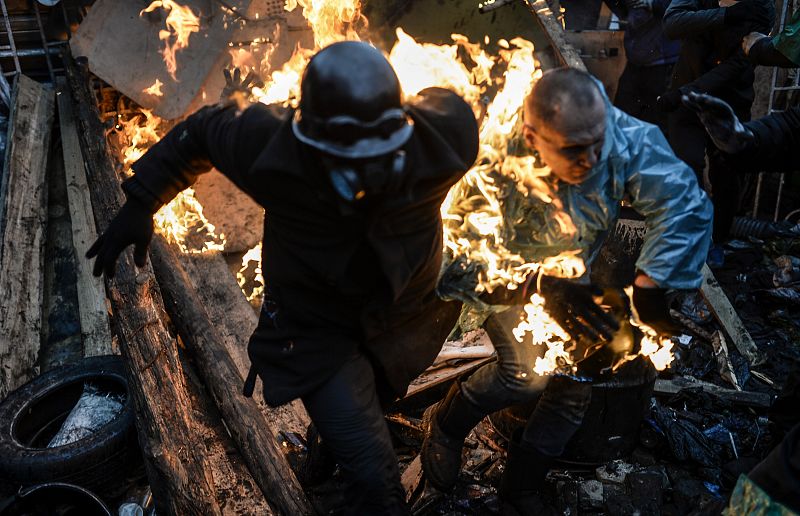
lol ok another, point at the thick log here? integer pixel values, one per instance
(235, 320)
(181, 481)
(95, 330)
(23, 219)
(248, 427)
(564, 52)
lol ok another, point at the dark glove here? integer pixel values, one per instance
(721, 123)
(133, 224)
(236, 88)
(651, 305)
(573, 307)
(669, 101)
(747, 11)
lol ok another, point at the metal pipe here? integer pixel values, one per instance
(28, 52)
(10, 36)
(780, 194)
(44, 43)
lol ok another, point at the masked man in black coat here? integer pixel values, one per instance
(351, 182)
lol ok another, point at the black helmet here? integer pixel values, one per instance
(350, 103)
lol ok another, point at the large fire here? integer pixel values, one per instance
(476, 229)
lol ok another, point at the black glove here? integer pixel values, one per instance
(651, 305)
(236, 88)
(721, 123)
(747, 11)
(669, 101)
(133, 224)
(573, 307)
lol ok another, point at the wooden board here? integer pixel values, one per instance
(95, 330)
(565, 53)
(23, 219)
(726, 315)
(674, 386)
(123, 49)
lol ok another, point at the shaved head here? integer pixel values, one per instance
(559, 91)
(565, 122)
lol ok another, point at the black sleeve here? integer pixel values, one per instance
(730, 70)
(453, 120)
(764, 53)
(774, 149)
(216, 136)
(685, 18)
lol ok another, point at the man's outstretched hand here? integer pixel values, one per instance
(721, 123)
(133, 224)
(573, 307)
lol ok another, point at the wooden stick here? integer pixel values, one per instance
(728, 318)
(674, 386)
(23, 224)
(181, 481)
(95, 330)
(247, 425)
(565, 53)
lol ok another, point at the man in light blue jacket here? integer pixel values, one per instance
(599, 156)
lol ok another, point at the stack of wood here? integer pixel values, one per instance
(187, 434)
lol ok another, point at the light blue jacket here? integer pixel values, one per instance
(637, 164)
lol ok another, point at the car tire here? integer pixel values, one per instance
(103, 462)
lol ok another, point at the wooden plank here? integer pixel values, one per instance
(247, 425)
(553, 30)
(95, 330)
(181, 481)
(674, 386)
(434, 377)
(412, 477)
(235, 320)
(23, 219)
(728, 318)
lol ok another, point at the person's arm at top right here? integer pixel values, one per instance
(686, 18)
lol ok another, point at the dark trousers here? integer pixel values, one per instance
(510, 380)
(779, 473)
(689, 141)
(347, 413)
(638, 89)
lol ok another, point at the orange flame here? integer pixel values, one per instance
(155, 89)
(181, 23)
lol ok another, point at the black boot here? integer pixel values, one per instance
(446, 426)
(523, 479)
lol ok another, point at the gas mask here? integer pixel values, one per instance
(355, 179)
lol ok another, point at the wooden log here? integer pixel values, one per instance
(95, 330)
(564, 52)
(728, 318)
(181, 481)
(247, 425)
(235, 320)
(674, 386)
(236, 490)
(23, 219)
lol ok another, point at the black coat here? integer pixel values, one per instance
(711, 60)
(337, 279)
(774, 147)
